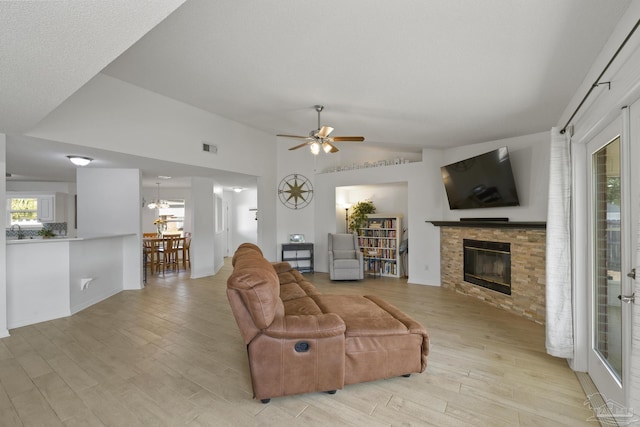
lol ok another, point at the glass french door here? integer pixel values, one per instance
(611, 297)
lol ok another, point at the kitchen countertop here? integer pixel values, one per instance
(63, 239)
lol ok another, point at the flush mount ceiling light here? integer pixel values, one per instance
(237, 189)
(158, 203)
(80, 160)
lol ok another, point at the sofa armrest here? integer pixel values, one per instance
(318, 326)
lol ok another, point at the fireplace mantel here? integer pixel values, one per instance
(491, 224)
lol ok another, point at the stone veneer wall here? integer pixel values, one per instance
(528, 253)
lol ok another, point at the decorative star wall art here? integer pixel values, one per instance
(295, 191)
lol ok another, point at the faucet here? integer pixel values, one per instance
(20, 234)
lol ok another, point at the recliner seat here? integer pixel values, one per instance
(346, 261)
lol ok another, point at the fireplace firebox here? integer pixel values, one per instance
(488, 264)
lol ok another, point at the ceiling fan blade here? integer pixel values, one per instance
(300, 145)
(348, 138)
(293, 136)
(324, 131)
(334, 149)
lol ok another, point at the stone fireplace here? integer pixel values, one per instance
(487, 264)
(527, 257)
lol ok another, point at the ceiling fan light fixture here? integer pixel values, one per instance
(80, 160)
(324, 131)
(319, 138)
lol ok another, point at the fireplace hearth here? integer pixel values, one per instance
(488, 264)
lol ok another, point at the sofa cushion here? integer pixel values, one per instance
(289, 291)
(344, 254)
(301, 306)
(362, 316)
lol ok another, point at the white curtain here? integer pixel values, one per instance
(559, 321)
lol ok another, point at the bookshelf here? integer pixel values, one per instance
(379, 241)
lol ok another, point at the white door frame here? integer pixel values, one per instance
(607, 384)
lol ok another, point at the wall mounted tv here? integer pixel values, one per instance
(484, 181)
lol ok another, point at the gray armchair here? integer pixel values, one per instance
(346, 261)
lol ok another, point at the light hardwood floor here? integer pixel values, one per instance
(171, 354)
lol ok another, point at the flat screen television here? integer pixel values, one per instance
(484, 181)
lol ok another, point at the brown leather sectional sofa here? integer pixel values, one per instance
(299, 340)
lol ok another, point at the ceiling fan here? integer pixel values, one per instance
(320, 139)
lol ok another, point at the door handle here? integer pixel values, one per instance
(629, 299)
(632, 273)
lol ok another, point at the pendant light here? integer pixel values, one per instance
(158, 203)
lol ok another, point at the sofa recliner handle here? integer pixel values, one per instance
(302, 346)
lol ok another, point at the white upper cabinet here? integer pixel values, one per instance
(51, 208)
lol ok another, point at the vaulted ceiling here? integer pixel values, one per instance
(409, 74)
(421, 73)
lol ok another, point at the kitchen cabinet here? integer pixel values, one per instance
(51, 208)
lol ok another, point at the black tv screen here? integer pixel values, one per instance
(484, 181)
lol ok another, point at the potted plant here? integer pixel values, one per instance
(46, 233)
(359, 214)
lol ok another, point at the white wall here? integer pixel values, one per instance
(106, 270)
(321, 217)
(529, 155)
(388, 198)
(4, 332)
(110, 114)
(38, 294)
(296, 221)
(203, 244)
(109, 202)
(424, 202)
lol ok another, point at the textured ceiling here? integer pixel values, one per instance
(49, 49)
(420, 73)
(409, 74)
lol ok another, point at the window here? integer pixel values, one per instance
(23, 212)
(174, 215)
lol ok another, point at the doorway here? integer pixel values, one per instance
(609, 231)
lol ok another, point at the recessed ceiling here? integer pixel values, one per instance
(34, 159)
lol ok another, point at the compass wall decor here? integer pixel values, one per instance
(295, 191)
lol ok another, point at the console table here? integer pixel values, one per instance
(299, 255)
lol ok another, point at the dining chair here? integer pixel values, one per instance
(185, 251)
(149, 235)
(169, 258)
(151, 253)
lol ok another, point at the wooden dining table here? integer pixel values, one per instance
(162, 252)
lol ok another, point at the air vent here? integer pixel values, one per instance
(209, 148)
